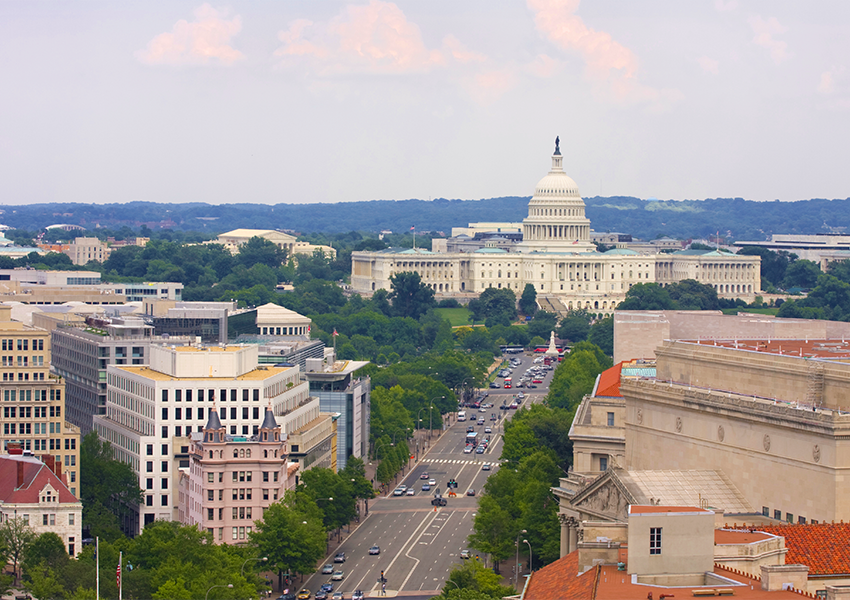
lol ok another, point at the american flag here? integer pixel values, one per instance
(335, 333)
(412, 228)
(118, 575)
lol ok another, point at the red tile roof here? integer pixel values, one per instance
(609, 382)
(824, 547)
(34, 474)
(641, 509)
(559, 580)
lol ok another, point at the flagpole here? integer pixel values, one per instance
(97, 567)
(120, 579)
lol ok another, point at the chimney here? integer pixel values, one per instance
(50, 461)
(781, 577)
(837, 592)
(20, 473)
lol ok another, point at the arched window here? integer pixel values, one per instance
(211, 453)
(265, 453)
(235, 453)
(247, 454)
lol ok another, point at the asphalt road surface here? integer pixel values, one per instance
(420, 544)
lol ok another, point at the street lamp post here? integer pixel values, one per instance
(530, 556)
(431, 415)
(259, 558)
(516, 567)
(229, 585)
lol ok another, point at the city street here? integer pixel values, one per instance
(420, 544)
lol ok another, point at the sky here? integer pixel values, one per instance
(297, 101)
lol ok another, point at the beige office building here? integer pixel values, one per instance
(33, 414)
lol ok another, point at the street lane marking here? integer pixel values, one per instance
(421, 525)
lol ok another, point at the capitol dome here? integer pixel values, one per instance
(556, 221)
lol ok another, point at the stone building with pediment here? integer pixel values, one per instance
(556, 256)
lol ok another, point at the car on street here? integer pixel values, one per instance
(479, 450)
(340, 557)
(485, 467)
(358, 595)
(493, 417)
(494, 385)
(488, 430)
(432, 482)
(304, 594)
(426, 487)
(321, 595)
(338, 596)
(424, 475)
(465, 554)
(480, 422)
(467, 450)
(327, 587)
(469, 429)
(482, 409)
(403, 488)
(503, 407)
(398, 492)
(531, 385)
(470, 492)
(374, 550)
(328, 570)
(337, 576)
(410, 492)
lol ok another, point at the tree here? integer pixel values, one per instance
(575, 327)
(331, 493)
(47, 550)
(689, 294)
(575, 376)
(494, 306)
(108, 488)
(801, 273)
(773, 264)
(647, 296)
(492, 530)
(409, 296)
(602, 335)
(16, 535)
(473, 581)
(259, 250)
(543, 324)
(528, 300)
(43, 583)
(291, 534)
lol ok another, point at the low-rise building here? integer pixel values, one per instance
(84, 250)
(32, 492)
(231, 480)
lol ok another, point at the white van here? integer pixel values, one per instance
(461, 416)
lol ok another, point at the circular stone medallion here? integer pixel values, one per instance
(720, 433)
(766, 443)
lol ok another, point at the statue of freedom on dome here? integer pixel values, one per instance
(557, 143)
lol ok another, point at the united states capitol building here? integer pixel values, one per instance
(556, 255)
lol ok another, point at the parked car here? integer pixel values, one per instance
(374, 550)
(494, 385)
(340, 557)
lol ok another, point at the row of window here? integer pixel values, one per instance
(21, 345)
(27, 412)
(240, 476)
(241, 512)
(22, 361)
(178, 430)
(180, 395)
(23, 377)
(55, 395)
(777, 514)
(50, 519)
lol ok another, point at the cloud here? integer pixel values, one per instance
(828, 80)
(460, 52)
(709, 65)
(206, 40)
(606, 61)
(543, 66)
(725, 5)
(371, 38)
(764, 30)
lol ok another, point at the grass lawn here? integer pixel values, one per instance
(455, 316)
(760, 311)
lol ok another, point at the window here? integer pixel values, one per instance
(164, 483)
(164, 413)
(52, 519)
(164, 466)
(44, 519)
(210, 514)
(234, 513)
(71, 518)
(164, 500)
(603, 463)
(789, 517)
(150, 450)
(777, 514)
(210, 477)
(149, 483)
(765, 511)
(150, 466)
(610, 419)
(275, 476)
(149, 501)
(655, 540)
